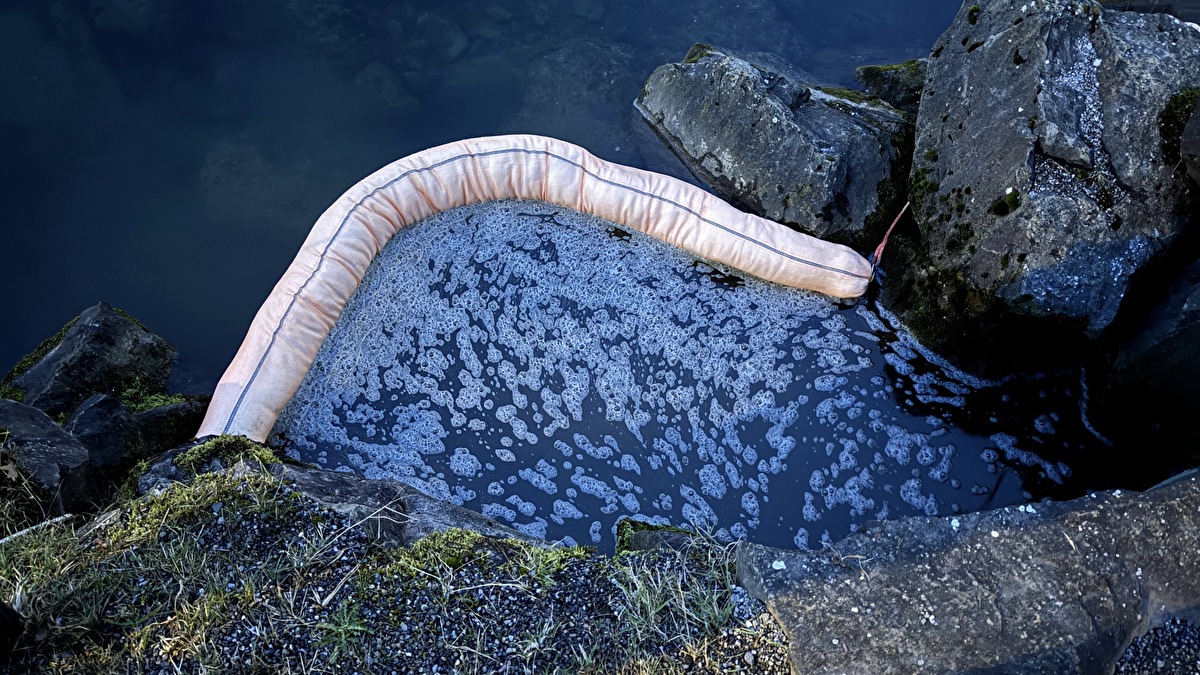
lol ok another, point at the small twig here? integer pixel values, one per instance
(32, 528)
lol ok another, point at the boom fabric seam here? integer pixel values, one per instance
(298, 315)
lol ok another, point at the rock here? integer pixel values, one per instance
(116, 438)
(1189, 146)
(393, 512)
(820, 161)
(1039, 182)
(11, 628)
(899, 84)
(1153, 381)
(103, 352)
(383, 89)
(106, 427)
(169, 426)
(47, 454)
(1052, 587)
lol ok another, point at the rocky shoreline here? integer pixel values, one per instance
(1050, 153)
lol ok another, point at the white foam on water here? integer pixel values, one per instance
(581, 377)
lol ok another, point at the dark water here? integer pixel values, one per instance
(170, 160)
(557, 373)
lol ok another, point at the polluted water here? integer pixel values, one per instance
(558, 373)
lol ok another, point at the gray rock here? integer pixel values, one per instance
(899, 84)
(116, 438)
(104, 352)
(811, 159)
(48, 455)
(106, 427)
(1039, 181)
(170, 425)
(1189, 146)
(394, 513)
(1047, 588)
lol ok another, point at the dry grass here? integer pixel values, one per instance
(237, 571)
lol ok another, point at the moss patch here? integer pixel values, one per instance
(228, 449)
(7, 389)
(1173, 119)
(140, 396)
(853, 95)
(697, 52)
(911, 66)
(234, 573)
(1007, 204)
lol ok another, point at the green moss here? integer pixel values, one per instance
(228, 449)
(139, 396)
(920, 186)
(891, 193)
(1173, 119)
(542, 563)
(697, 52)
(130, 319)
(973, 14)
(453, 548)
(852, 95)
(7, 390)
(931, 155)
(912, 66)
(1005, 205)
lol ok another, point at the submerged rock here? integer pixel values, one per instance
(820, 161)
(1040, 181)
(1052, 587)
(105, 351)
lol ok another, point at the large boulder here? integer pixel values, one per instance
(50, 456)
(820, 161)
(1045, 588)
(1040, 181)
(105, 351)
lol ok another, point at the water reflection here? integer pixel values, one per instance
(168, 157)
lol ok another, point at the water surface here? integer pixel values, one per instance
(557, 373)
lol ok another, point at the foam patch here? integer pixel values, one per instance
(557, 373)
